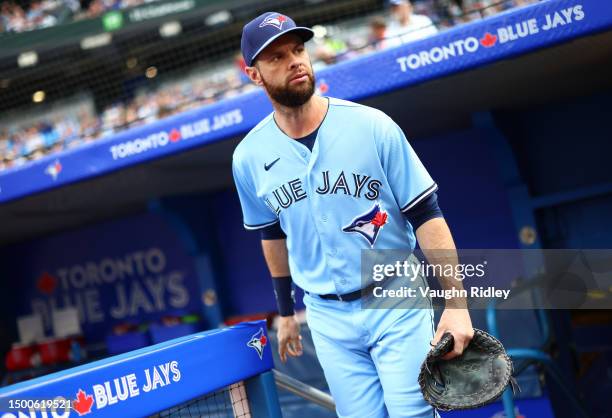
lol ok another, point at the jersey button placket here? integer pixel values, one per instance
(314, 207)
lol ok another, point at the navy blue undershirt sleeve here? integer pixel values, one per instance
(425, 210)
(273, 231)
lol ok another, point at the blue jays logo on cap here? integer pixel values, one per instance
(368, 225)
(276, 21)
(264, 29)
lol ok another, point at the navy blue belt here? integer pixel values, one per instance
(347, 297)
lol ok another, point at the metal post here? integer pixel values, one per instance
(304, 391)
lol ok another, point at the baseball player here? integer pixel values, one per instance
(322, 179)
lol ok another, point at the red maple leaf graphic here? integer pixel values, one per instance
(58, 167)
(488, 40)
(175, 135)
(380, 219)
(281, 18)
(46, 283)
(323, 87)
(263, 340)
(83, 403)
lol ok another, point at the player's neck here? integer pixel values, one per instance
(300, 121)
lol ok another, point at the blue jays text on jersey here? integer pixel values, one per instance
(347, 195)
(293, 190)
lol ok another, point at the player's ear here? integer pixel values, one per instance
(254, 75)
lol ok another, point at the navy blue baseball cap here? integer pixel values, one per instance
(264, 29)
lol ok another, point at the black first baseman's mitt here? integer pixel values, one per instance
(475, 378)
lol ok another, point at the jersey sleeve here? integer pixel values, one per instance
(255, 213)
(409, 180)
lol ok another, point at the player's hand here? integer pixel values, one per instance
(457, 322)
(289, 338)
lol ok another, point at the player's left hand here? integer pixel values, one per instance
(457, 322)
(289, 338)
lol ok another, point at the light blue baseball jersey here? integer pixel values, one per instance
(348, 194)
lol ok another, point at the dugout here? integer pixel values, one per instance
(516, 135)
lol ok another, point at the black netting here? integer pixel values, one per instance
(60, 91)
(228, 402)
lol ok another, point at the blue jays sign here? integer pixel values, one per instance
(128, 270)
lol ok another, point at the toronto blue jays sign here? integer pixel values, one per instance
(148, 380)
(464, 47)
(132, 269)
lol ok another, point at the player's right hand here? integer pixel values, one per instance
(289, 338)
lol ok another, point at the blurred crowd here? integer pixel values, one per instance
(405, 22)
(18, 17)
(26, 15)
(20, 144)
(94, 8)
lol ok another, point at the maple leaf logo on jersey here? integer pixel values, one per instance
(369, 224)
(274, 20)
(83, 403)
(258, 342)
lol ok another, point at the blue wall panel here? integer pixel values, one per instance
(562, 146)
(471, 193)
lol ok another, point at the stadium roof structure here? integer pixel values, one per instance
(433, 86)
